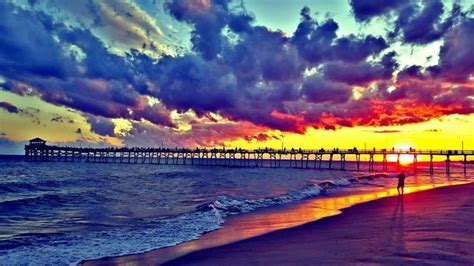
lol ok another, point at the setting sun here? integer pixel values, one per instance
(404, 158)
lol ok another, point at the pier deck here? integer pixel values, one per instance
(38, 151)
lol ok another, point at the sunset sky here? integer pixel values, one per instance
(251, 73)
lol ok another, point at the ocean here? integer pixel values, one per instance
(62, 213)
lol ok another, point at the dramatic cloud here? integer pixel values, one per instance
(422, 23)
(254, 78)
(101, 126)
(417, 22)
(191, 83)
(317, 90)
(456, 54)
(361, 73)
(27, 47)
(9, 107)
(366, 9)
(317, 42)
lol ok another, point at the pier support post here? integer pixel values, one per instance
(371, 162)
(232, 158)
(222, 156)
(343, 161)
(398, 161)
(384, 162)
(465, 164)
(304, 157)
(431, 164)
(318, 159)
(260, 158)
(243, 159)
(205, 158)
(448, 171)
(358, 161)
(293, 157)
(273, 161)
(330, 160)
(415, 161)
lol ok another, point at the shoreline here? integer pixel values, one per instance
(419, 228)
(248, 226)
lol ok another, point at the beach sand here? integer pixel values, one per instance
(434, 226)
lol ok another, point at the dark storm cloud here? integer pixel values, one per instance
(422, 23)
(101, 126)
(367, 9)
(417, 21)
(317, 42)
(190, 82)
(456, 55)
(445, 85)
(317, 90)
(27, 46)
(157, 114)
(208, 20)
(361, 73)
(9, 107)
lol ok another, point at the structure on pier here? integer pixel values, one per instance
(38, 150)
(37, 142)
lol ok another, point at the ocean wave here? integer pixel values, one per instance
(233, 205)
(151, 233)
(15, 187)
(21, 201)
(73, 248)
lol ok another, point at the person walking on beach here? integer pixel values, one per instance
(401, 182)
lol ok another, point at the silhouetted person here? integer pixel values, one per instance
(401, 182)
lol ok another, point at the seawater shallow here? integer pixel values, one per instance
(62, 213)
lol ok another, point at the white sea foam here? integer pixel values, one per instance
(73, 248)
(229, 205)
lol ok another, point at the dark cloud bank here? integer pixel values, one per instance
(246, 72)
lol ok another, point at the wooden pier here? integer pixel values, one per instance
(39, 151)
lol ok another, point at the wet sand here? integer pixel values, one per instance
(428, 227)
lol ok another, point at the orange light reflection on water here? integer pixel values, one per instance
(261, 222)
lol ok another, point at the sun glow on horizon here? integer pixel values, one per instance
(405, 159)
